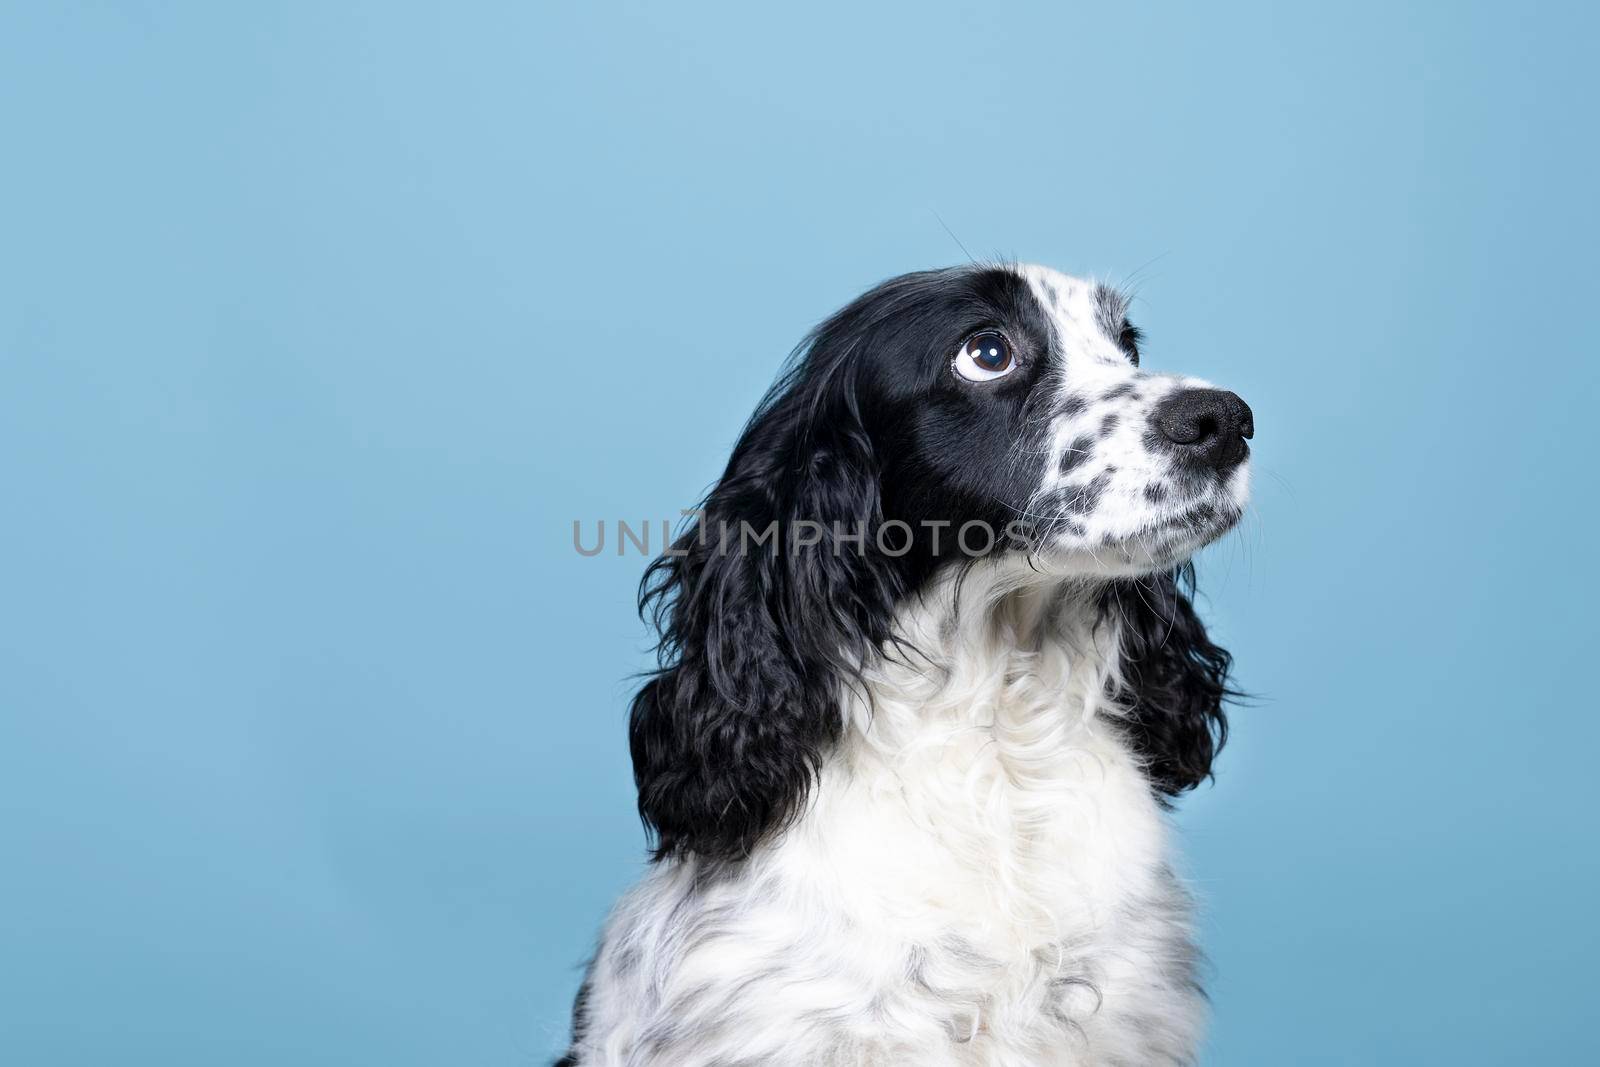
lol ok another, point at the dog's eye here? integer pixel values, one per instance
(985, 357)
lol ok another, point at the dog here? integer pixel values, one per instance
(930, 676)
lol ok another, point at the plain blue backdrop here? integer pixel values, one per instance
(321, 323)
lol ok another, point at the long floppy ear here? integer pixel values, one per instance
(1173, 679)
(759, 640)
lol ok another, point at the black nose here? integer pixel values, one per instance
(1207, 427)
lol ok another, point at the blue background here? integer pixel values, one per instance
(321, 323)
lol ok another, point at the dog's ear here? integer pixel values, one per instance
(759, 640)
(1172, 679)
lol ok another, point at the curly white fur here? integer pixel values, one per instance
(981, 877)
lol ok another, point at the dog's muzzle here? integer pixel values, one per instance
(1205, 428)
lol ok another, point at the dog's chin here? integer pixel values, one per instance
(1175, 539)
(1153, 543)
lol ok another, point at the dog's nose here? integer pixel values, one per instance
(1208, 427)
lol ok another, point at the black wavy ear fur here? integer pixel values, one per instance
(1175, 680)
(758, 641)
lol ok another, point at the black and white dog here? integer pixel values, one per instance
(929, 675)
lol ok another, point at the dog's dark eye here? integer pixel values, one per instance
(985, 357)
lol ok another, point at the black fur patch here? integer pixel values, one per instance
(1176, 678)
(1077, 453)
(868, 426)
(1085, 498)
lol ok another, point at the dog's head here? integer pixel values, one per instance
(944, 416)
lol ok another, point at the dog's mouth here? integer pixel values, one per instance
(1181, 531)
(1172, 535)
(1152, 546)
(1199, 524)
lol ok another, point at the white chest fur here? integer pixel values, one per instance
(981, 878)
